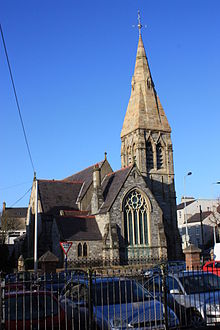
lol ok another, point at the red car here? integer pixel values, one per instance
(33, 310)
(212, 267)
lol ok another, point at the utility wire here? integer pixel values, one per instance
(16, 98)
(21, 198)
(15, 185)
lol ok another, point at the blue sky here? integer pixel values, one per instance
(73, 62)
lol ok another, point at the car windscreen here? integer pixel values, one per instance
(119, 292)
(197, 283)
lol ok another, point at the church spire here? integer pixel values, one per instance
(153, 118)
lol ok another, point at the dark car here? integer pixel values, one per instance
(33, 310)
(19, 281)
(56, 281)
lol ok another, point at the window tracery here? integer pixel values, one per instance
(136, 219)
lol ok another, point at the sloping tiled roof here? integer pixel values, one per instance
(196, 217)
(85, 176)
(57, 195)
(16, 217)
(16, 212)
(78, 228)
(182, 205)
(112, 185)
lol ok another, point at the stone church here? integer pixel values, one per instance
(130, 213)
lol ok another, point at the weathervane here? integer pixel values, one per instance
(139, 23)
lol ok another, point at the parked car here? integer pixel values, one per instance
(212, 267)
(193, 295)
(19, 281)
(33, 310)
(171, 266)
(56, 281)
(116, 304)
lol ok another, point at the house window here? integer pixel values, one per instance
(149, 156)
(197, 231)
(82, 250)
(159, 151)
(135, 219)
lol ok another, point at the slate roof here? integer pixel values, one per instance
(57, 195)
(111, 186)
(17, 217)
(196, 217)
(16, 212)
(78, 228)
(182, 205)
(86, 176)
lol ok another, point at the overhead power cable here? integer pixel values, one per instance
(15, 185)
(18, 200)
(16, 98)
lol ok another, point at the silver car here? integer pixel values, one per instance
(193, 295)
(116, 304)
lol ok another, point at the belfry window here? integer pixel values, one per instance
(149, 156)
(159, 156)
(135, 219)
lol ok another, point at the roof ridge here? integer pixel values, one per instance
(62, 181)
(101, 162)
(121, 169)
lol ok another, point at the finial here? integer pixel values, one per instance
(105, 155)
(139, 22)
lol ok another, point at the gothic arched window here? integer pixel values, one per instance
(159, 151)
(149, 156)
(135, 218)
(85, 250)
(79, 250)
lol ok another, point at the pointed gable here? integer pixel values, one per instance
(111, 186)
(86, 176)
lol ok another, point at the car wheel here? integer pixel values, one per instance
(195, 320)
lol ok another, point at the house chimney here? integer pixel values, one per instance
(96, 176)
(3, 207)
(97, 196)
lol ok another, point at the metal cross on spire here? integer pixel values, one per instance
(139, 22)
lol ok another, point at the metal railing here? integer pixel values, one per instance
(100, 298)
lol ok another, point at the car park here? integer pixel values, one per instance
(193, 295)
(117, 303)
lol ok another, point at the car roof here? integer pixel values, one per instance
(26, 293)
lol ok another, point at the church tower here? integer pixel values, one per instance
(146, 140)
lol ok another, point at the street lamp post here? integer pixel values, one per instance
(214, 233)
(185, 217)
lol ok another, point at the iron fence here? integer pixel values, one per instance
(99, 298)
